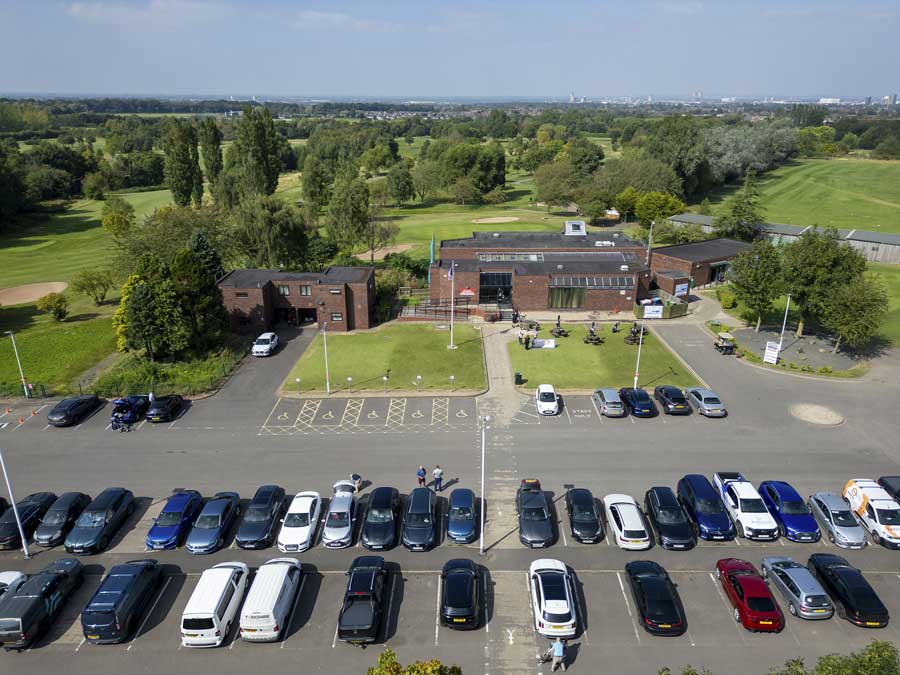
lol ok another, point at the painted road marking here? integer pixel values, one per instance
(352, 411)
(628, 607)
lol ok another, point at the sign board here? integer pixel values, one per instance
(467, 292)
(682, 289)
(653, 312)
(539, 343)
(772, 349)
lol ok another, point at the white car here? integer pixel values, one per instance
(552, 598)
(546, 400)
(265, 345)
(751, 518)
(875, 510)
(625, 521)
(299, 523)
(337, 530)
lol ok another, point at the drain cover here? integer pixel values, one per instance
(816, 414)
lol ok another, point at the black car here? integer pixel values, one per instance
(121, 599)
(637, 402)
(460, 595)
(854, 599)
(655, 598)
(99, 522)
(891, 484)
(257, 529)
(72, 410)
(164, 408)
(419, 520)
(672, 400)
(379, 530)
(31, 509)
(359, 621)
(535, 523)
(584, 521)
(60, 518)
(669, 519)
(27, 613)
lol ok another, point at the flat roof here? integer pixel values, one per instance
(537, 240)
(585, 262)
(250, 278)
(700, 251)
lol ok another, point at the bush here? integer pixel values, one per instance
(412, 266)
(95, 186)
(825, 370)
(806, 368)
(726, 298)
(56, 304)
(93, 283)
(792, 365)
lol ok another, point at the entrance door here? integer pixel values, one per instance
(495, 287)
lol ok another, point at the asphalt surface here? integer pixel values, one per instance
(246, 436)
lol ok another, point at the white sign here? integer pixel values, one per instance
(772, 349)
(682, 289)
(539, 343)
(653, 312)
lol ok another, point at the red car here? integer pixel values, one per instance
(753, 604)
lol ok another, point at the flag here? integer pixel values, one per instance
(430, 256)
(450, 273)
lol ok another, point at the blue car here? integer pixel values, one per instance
(214, 522)
(129, 409)
(637, 402)
(174, 521)
(704, 505)
(790, 511)
(461, 523)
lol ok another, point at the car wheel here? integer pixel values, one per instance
(740, 530)
(737, 615)
(781, 532)
(220, 543)
(875, 538)
(831, 537)
(792, 609)
(104, 543)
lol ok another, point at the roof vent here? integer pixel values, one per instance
(623, 268)
(559, 267)
(615, 235)
(496, 235)
(604, 244)
(575, 228)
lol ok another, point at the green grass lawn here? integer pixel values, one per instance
(403, 351)
(575, 365)
(605, 142)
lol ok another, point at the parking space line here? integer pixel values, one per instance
(712, 577)
(352, 411)
(439, 410)
(566, 408)
(149, 612)
(387, 628)
(44, 429)
(307, 413)
(334, 640)
(562, 531)
(143, 422)
(791, 631)
(290, 621)
(437, 613)
(628, 607)
(271, 412)
(597, 410)
(83, 640)
(396, 410)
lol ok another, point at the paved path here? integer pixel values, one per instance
(502, 400)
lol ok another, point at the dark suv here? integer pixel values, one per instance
(704, 505)
(257, 529)
(112, 614)
(361, 614)
(100, 521)
(419, 526)
(60, 518)
(31, 509)
(379, 530)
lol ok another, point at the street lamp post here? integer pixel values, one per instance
(483, 422)
(18, 363)
(350, 384)
(384, 378)
(649, 243)
(325, 346)
(452, 302)
(418, 383)
(784, 323)
(298, 386)
(637, 365)
(12, 500)
(452, 377)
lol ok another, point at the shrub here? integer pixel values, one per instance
(806, 368)
(93, 283)
(726, 298)
(825, 370)
(56, 304)
(95, 186)
(792, 365)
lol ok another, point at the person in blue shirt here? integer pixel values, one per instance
(557, 653)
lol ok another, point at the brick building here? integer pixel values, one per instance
(702, 261)
(342, 296)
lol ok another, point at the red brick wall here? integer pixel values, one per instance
(664, 263)
(440, 284)
(250, 313)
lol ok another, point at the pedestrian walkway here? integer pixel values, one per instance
(502, 400)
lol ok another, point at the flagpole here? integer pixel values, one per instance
(452, 302)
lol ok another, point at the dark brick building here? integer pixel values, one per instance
(342, 296)
(704, 261)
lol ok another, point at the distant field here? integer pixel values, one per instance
(890, 274)
(604, 142)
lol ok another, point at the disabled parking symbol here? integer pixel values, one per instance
(372, 415)
(461, 413)
(328, 416)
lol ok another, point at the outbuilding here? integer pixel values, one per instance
(701, 262)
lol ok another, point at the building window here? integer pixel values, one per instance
(337, 316)
(284, 290)
(305, 290)
(241, 294)
(566, 298)
(334, 291)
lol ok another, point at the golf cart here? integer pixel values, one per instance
(724, 343)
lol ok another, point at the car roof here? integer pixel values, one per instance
(665, 495)
(644, 567)
(214, 507)
(784, 490)
(699, 482)
(617, 498)
(743, 488)
(456, 564)
(177, 500)
(890, 482)
(669, 388)
(462, 497)
(581, 495)
(340, 501)
(832, 500)
(420, 499)
(631, 516)
(208, 592)
(264, 493)
(269, 335)
(547, 565)
(105, 498)
(533, 499)
(66, 499)
(828, 560)
(381, 496)
(801, 576)
(302, 501)
(705, 393)
(610, 394)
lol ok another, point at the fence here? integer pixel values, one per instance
(11, 390)
(419, 294)
(438, 310)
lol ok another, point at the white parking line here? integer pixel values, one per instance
(628, 607)
(271, 412)
(334, 640)
(83, 640)
(290, 621)
(712, 577)
(566, 408)
(563, 532)
(44, 429)
(599, 416)
(781, 540)
(147, 615)
(143, 422)
(387, 626)
(437, 614)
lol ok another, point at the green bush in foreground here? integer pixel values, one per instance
(56, 304)
(726, 298)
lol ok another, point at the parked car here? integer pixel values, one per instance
(71, 411)
(546, 400)
(625, 522)
(60, 518)
(129, 409)
(214, 522)
(100, 521)
(257, 529)
(891, 484)
(174, 522)
(362, 611)
(655, 598)
(704, 505)
(31, 510)
(213, 605)
(462, 527)
(379, 530)
(270, 602)
(804, 595)
(460, 594)
(123, 596)
(584, 520)
(875, 510)
(637, 402)
(535, 524)
(754, 606)
(26, 614)
(164, 408)
(552, 599)
(745, 506)
(10, 583)
(337, 530)
(609, 403)
(265, 345)
(854, 599)
(833, 513)
(420, 529)
(299, 524)
(706, 401)
(673, 527)
(672, 400)
(787, 507)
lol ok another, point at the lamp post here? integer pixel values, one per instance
(298, 386)
(325, 345)
(649, 242)
(418, 383)
(384, 379)
(784, 323)
(637, 365)
(452, 302)
(483, 423)
(12, 501)
(350, 384)
(452, 377)
(18, 363)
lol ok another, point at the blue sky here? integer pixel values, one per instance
(430, 48)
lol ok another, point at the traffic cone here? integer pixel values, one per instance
(21, 420)
(33, 413)
(8, 410)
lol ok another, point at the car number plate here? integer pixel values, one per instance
(93, 637)
(192, 635)
(818, 611)
(537, 546)
(376, 548)
(718, 536)
(872, 623)
(665, 625)
(459, 620)
(679, 406)
(558, 627)
(677, 545)
(765, 623)
(155, 418)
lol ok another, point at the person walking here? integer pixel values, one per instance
(558, 654)
(420, 476)
(438, 475)
(520, 335)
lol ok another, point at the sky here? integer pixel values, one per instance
(433, 48)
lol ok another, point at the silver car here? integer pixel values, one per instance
(337, 531)
(608, 403)
(836, 520)
(804, 595)
(706, 401)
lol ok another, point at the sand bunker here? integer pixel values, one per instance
(816, 414)
(380, 254)
(495, 219)
(19, 295)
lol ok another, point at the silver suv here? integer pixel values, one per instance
(608, 403)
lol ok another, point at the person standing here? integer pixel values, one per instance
(438, 475)
(558, 654)
(420, 476)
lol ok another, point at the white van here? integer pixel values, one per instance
(271, 599)
(213, 605)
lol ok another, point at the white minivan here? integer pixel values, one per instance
(213, 605)
(270, 602)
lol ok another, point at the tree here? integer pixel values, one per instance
(211, 147)
(427, 178)
(756, 277)
(815, 266)
(857, 310)
(876, 658)
(657, 206)
(626, 201)
(377, 157)
(209, 257)
(464, 191)
(539, 154)
(348, 213)
(889, 148)
(316, 186)
(496, 197)
(642, 173)
(45, 182)
(182, 167)
(400, 183)
(319, 253)
(379, 232)
(55, 304)
(254, 154)
(677, 141)
(705, 208)
(556, 183)
(200, 300)
(149, 318)
(389, 665)
(271, 233)
(118, 219)
(743, 213)
(95, 186)
(93, 283)
(585, 156)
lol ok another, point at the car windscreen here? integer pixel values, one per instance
(582, 513)
(712, 400)
(461, 513)
(547, 397)
(843, 519)
(379, 516)
(794, 508)
(760, 604)
(168, 518)
(338, 519)
(207, 522)
(534, 514)
(296, 520)
(197, 624)
(677, 398)
(888, 516)
(98, 617)
(257, 514)
(709, 506)
(263, 341)
(54, 517)
(753, 506)
(91, 519)
(418, 519)
(634, 534)
(671, 517)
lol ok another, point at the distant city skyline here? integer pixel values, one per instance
(524, 49)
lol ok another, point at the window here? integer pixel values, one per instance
(334, 291)
(566, 298)
(305, 290)
(241, 294)
(337, 316)
(284, 289)
(226, 599)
